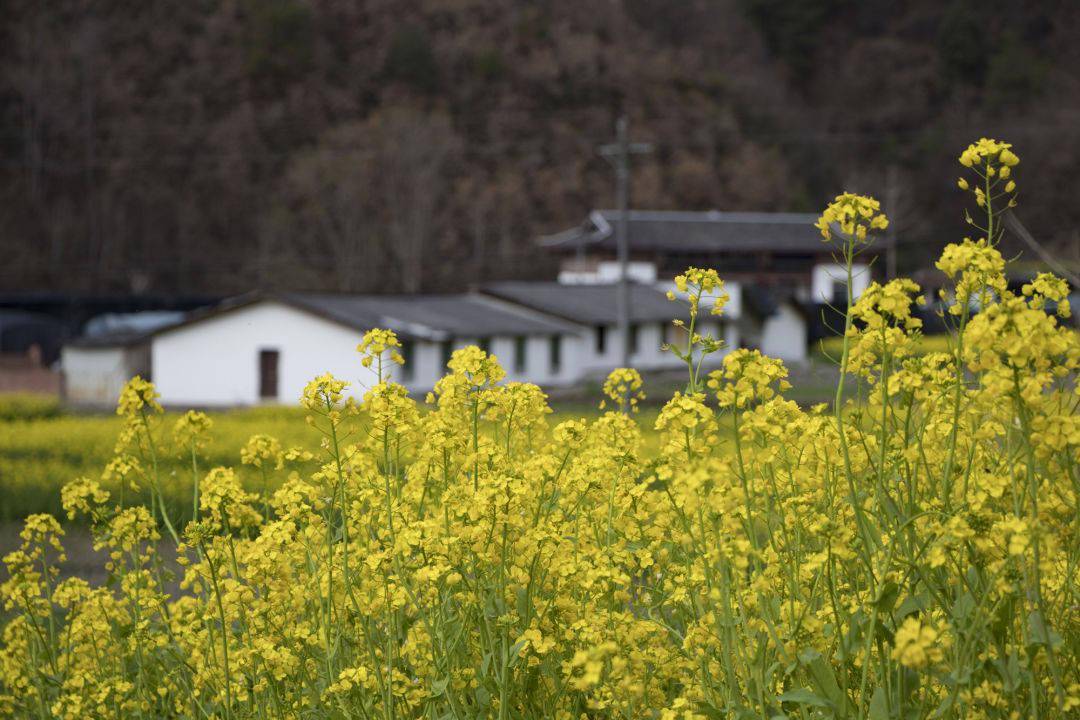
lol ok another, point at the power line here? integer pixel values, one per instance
(1018, 227)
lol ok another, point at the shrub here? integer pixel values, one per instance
(911, 555)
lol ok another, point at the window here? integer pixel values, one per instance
(634, 346)
(408, 353)
(519, 354)
(601, 339)
(268, 374)
(839, 293)
(721, 331)
(446, 348)
(555, 354)
(676, 335)
(485, 344)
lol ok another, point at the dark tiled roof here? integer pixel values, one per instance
(112, 339)
(431, 316)
(587, 304)
(696, 232)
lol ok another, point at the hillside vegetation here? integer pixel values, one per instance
(186, 146)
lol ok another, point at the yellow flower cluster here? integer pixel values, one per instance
(854, 215)
(262, 449)
(747, 377)
(623, 387)
(191, 432)
(886, 329)
(377, 343)
(477, 366)
(978, 269)
(698, 284)
(82, 496)
(913, 554)
(323, 393)
(989, 153)
(918, 644)
(1049, 287)
(138, 396)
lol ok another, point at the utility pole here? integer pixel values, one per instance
(618, 154)
(892, 207)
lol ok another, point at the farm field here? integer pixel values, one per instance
(42, 448)
(909, 551)
(35, 463)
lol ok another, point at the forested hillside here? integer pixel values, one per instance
(391, 145)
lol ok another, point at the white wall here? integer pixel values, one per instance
(783, 335)
(537, 366)
(606, 271)
(95, 375)
(680, 309)
(215, 362)
(827, 277)
(648, 355)
(424, 368)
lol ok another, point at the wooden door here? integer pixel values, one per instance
(268, 374)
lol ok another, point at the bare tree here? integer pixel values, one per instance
(365, 201)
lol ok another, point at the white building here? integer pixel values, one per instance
(593, 306)
(96, 368)
(775, 323)
(114, 348)
(264, 349)
(780, 252)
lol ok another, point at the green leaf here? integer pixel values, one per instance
(879, 705)
(963, 607)
(946, 705)
(911, 604)
(483, 697)
(438, 687)
(886, 597)
(1041, 634)
(804, 696)
(824, 680)
(515, 651)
